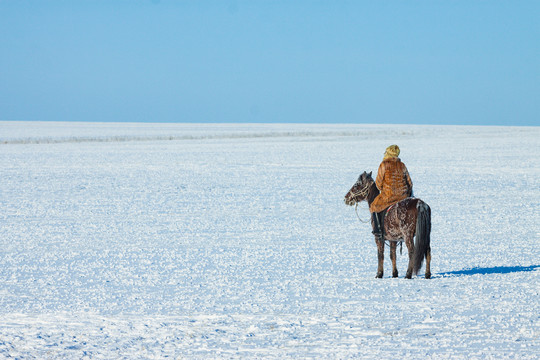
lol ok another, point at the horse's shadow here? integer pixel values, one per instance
(491, 270)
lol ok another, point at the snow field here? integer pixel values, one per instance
(233, 241)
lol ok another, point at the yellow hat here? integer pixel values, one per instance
(391, 152)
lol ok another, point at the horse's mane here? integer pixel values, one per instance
(373, 191)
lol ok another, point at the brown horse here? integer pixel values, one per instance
(402, 221)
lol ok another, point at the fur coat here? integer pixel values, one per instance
(394, 183)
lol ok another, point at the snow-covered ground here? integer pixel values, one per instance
(145, 241)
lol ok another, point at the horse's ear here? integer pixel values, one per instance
(370, 173)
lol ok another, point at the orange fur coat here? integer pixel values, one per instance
(394, 183)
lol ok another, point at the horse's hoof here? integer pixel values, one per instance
(428, 275)
(379, 276)
(395, 275)
(408, 276)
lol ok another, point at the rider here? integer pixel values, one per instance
(394, 184)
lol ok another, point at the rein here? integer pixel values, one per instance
(358, 216)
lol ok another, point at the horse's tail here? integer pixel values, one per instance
(423, 230)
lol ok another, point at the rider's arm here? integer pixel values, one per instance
(409, 181)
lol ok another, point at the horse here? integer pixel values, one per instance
(402, 222)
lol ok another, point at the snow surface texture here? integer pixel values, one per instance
(145, 241)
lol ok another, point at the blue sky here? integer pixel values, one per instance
(403, 62)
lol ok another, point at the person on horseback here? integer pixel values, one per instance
(394, 184)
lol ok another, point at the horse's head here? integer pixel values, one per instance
(360, 189)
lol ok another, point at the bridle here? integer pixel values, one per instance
(362, 192)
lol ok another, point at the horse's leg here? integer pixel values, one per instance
(393, 246)
(409, 241)
(428, 261)
(380, 255)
